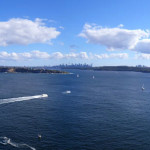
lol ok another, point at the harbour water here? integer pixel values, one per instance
(107, 112)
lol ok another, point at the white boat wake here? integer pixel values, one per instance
(18, 99)
(6, 141)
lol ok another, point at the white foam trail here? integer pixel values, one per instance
(12, 100)
(6, 141)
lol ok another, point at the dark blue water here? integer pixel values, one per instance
(108, 112)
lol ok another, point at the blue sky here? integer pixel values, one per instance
(51, 32)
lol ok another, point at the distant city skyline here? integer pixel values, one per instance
(47, 32)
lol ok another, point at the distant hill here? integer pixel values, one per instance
(28, 70)
(107, 68)
(122, 68)
(49, 70)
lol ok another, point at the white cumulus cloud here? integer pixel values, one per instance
(36, 54)
(24, 56)
(142, 56)
(25, 31)
(113, 38)
(143, 46)
(59, 55)
(113, 55)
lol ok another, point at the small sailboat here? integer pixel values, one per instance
(93, 77)
(142, 87)
(77, 75)
(39, 136)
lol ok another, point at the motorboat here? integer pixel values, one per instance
(68, 92)
(44, 95)
(142, 87)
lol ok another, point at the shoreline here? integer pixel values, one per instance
(29, 70)
(115, 68)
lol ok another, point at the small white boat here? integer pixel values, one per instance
(44, 95)
(5, 140)
(68, 92)
(39, 136)
(77, 75)
(142, 87)
(93, 77)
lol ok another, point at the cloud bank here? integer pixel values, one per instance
(142, 56)
(117, 38)
(113, 55)
(57, 55)
(24, 32)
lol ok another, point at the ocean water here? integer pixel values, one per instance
(109, 112)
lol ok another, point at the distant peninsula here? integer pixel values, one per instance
(119, 68)
(122, 68)
(59, 69)
(29, 70)
(138, 68)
